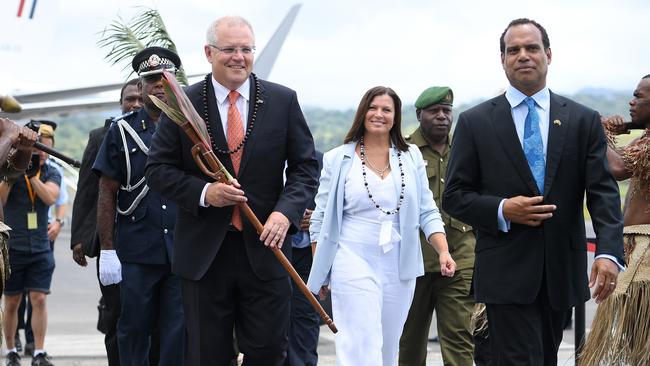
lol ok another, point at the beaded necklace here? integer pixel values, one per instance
(365, 182)
(206, 118)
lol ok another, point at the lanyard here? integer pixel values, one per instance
(30, 191)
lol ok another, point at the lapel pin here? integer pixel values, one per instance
(557, 122)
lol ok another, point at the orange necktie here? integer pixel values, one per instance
(235, 136)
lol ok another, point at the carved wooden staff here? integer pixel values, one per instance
(182, 112)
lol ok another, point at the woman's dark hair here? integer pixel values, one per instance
(358, 128)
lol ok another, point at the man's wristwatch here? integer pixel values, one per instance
(60, 221)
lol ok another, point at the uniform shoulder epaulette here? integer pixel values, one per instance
(125, 115)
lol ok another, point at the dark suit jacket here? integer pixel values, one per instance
(488, 164)
(319, 158)
(84, 209)
(280, 134)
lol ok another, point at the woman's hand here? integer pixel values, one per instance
(447, 264)
(439, 243)
(324, 290)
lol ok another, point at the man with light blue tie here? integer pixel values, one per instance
(521, 165)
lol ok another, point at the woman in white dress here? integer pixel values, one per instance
(373, 198)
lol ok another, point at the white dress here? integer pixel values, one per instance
(369, 301)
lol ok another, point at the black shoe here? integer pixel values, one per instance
(13, 359)
(29, 349)
(41, 359)
(18, 343)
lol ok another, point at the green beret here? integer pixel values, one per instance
(435, 95)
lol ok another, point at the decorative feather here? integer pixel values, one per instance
(125, 39)
(180, 109)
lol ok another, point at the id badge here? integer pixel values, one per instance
(32, 221)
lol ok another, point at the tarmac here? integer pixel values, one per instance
(73, 340)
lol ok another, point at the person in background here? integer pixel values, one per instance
(56, 220)
(84, 240)
(27, 201)
(305, 320)
(448, 296)
(15, 153)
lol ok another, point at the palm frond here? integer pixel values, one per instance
(122, 41)
(125, 39)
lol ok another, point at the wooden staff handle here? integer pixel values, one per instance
(292, 271)
(215, 170)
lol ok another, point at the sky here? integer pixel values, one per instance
(338, 49)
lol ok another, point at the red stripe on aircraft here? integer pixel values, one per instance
(20, 8)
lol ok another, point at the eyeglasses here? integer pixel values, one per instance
(232, 50)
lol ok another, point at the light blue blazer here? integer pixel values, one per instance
(417, 211)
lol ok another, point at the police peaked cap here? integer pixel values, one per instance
(153, 60)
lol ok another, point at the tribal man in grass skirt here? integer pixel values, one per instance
(620, 332)
(15, 154)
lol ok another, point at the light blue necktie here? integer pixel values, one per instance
(533, 146)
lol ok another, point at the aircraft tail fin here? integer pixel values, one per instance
(266, 59)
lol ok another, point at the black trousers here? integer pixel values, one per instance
(109, 314)
(304, 326)
(230, 295)
(528, 334)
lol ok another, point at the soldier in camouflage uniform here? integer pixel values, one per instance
(450, 297)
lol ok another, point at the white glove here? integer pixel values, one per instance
(110, 268)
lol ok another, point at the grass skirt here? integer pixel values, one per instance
(620, 330)
(4, 265)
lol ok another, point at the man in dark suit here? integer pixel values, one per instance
(520, 166)
(229, 277)
(84, 241)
